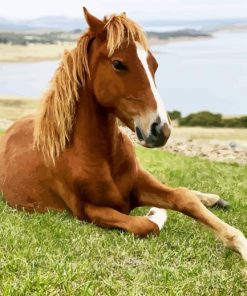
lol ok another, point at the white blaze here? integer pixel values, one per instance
(161, 110)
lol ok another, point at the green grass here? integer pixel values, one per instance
(55, 254)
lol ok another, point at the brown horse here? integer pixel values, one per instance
(73, 156)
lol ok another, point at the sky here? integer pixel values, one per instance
(137, 9)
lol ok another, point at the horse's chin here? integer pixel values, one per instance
(146, 145)
(142, 143)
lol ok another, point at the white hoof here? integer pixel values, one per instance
(237, 241)
(158, 216)
(241, 245)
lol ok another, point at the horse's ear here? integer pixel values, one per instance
(95, 25)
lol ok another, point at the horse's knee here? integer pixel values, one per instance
(185, 201)
(142, 226)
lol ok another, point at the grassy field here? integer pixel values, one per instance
(33, 52)
(55, 254)
(204, 133)
(13, 108)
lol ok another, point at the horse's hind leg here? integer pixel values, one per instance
(153, 193)
(211, 200)
(138, 225)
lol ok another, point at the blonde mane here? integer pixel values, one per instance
(54, 124)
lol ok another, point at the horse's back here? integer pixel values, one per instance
(16, 142)
(22, 170)
(18, 135)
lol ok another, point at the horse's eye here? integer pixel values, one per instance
(118, 65)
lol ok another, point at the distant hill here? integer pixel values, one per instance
(203, 24)
(6, 24)
(67, 24)
(56, 23)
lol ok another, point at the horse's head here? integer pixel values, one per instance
(122, 73)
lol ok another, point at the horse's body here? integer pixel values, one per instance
(105, 165)
(74, 157)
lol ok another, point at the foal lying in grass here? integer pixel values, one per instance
(73, 156)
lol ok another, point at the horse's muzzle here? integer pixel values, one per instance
(157, 136)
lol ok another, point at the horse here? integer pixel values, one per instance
(72, 156)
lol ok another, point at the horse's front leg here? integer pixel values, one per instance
(151, 192)
(108, 216)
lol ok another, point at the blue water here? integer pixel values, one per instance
(26, 79)
(206, 74)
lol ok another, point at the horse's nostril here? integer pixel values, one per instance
(139, 134)
(154, 128)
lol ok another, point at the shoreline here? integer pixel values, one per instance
(33, 52)
(40, 52)
(53, 52)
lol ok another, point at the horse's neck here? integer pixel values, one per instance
(95, 127)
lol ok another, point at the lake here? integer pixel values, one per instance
(204, 74)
